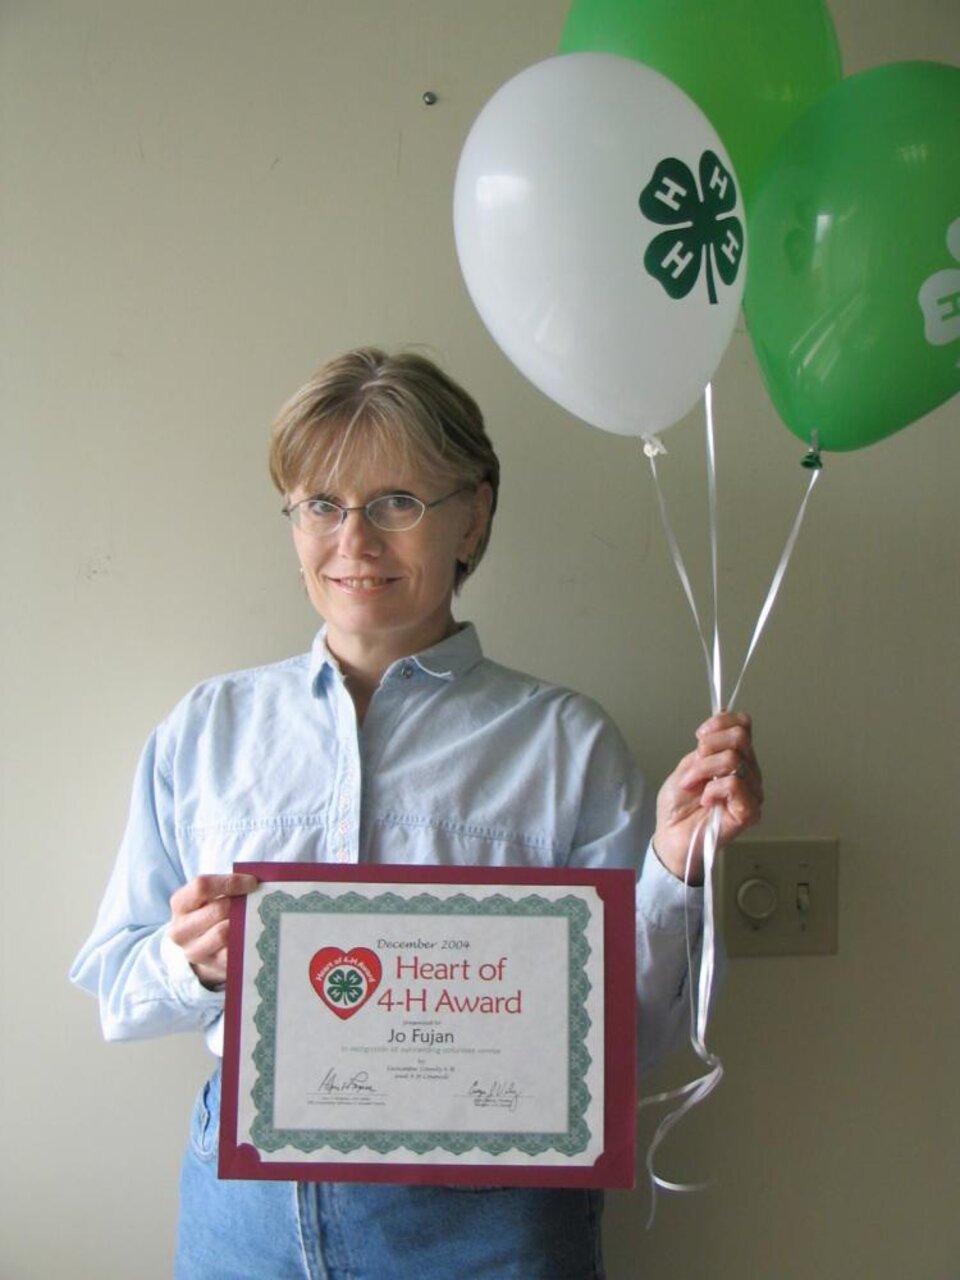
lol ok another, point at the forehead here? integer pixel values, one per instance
(364, 475)
(337, 456)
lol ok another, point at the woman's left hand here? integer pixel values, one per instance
(721, 772)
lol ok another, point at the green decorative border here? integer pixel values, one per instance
(569, 1143)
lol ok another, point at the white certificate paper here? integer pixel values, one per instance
(444, 1026)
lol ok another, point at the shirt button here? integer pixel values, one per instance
(406, 672)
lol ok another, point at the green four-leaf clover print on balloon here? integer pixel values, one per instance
(704, 233)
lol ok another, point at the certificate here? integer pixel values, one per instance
(431, 1025)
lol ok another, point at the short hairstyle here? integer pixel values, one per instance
(367, 404)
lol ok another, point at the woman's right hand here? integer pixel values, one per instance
(200, 922)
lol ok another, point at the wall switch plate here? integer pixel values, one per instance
(779, 897)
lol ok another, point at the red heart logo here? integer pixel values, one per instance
(345, 980)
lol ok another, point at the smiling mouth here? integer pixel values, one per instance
(362, 584)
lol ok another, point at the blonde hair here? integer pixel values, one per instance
(365, 405)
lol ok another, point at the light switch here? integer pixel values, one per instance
(779, 897)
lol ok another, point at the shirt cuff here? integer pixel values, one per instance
(663, 900)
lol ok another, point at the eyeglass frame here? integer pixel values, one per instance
(291, 510)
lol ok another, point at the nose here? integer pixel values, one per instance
(359, 538)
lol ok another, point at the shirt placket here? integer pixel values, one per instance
(346, 815)
(378, 729)
(346, 846)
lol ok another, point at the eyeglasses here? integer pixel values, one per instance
(392, 512)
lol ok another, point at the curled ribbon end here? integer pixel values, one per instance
(653, 446)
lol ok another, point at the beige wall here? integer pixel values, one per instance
(200, 200)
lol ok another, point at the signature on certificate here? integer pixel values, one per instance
(499, 1094)
(357, 1083)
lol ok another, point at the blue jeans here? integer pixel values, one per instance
(233, 1230)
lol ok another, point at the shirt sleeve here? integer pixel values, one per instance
(666, 908)
(143, 981)
(615, 827)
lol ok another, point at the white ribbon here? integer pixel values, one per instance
(695, 1091)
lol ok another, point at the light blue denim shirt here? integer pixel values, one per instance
(458, 761)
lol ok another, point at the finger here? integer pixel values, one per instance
(186, 927)
(203, 951)
(725, 720)
(697, 771)
(733, 738)
(685, 766)
(731, 764)
(743, 807)
(748, 774)
(204, 889)
(731, 751)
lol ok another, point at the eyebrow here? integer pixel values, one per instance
(386, 492)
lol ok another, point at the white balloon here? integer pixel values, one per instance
(552, 240)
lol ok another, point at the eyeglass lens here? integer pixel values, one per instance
(394, 512)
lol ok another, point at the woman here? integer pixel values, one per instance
(394, 740)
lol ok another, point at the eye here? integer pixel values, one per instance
(399, 502)
(320, 507)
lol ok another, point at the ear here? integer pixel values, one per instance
(480, 504)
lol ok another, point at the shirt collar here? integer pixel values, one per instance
(448, 660)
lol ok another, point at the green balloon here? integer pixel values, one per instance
(751, 66)
(853, 291)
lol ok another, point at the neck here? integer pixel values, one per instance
(361, 692)
(363, 659)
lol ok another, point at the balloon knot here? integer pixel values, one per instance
(653, 446)
(811, 459)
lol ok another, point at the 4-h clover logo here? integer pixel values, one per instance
(344, 986)
(939, 297)
(704, 231)
(345, 980)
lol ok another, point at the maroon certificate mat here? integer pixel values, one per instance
(446, 1025)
